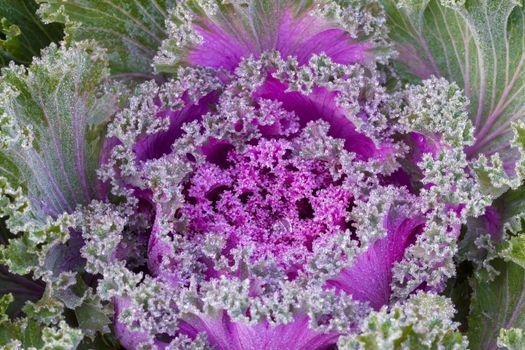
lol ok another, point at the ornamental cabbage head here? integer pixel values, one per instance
(278, 192)
(274, 185)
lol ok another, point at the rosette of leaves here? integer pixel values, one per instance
(273, 196)
(278, 187)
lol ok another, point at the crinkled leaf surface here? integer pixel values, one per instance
(131, 30)
(22, 34)
(52, 116)
(500, 303)
(422, 322)
(480, 44)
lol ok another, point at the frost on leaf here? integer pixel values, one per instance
(484, 55)
(53, 113)
(438, 106)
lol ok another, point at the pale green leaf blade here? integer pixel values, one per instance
(52, 116)
(29, 333)
(423, 322)
(514, 250)
(131, 30)
(93, 317)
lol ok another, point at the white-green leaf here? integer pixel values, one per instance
(511, 339)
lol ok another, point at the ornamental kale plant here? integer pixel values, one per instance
(286, 174)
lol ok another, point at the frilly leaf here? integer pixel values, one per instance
(422, 322)
(5, 300)
(62, 337)
(24, 34)
(480, 45)
(52, 114)
(131, 31)
(514, 250)
(29, 333)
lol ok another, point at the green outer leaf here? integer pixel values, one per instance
(511, 205)
(29, 334)
(93, 317)
(52, 117)
(480, 45)
(497, 304)
(131, 30)
(101, 342)
(25, 35)
(459, 290)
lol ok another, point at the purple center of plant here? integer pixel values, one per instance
(268, 197)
